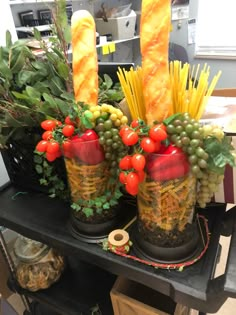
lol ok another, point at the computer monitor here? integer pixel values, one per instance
(111, 68)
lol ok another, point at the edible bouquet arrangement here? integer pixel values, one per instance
(165, 156)
(165, 140)
(88, 137)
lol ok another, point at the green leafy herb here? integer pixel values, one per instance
(219, 153)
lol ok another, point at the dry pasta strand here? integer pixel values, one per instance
(131, 83)
(190, 88)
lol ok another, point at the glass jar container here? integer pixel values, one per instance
(38, 266)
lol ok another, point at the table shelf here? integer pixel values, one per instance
(41, 218)
(81, 288)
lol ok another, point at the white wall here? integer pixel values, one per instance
(7, 22)
(228, 67)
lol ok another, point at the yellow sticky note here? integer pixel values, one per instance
(112, 47)
(105, 50)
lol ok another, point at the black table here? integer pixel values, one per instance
(36, 216)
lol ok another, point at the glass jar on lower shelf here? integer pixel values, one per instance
(38, 266)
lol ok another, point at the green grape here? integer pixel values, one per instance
(200, 152)
(108, 124)
(116, 138)
(107, 156)
(101, 133)
(109, 142)
(193, 159)
(115, 131)
(195, 169)
(115, 145)
(107, 134)
(177, 122)
(189, 128)
(185, 123)
(102, 140)
(185, 140)
(195, 134)
(179, 129)
(99, 120)
(170, 129)
(183, 134)
(202, 163)
(178, 143)
(99, 127)
(195, 142)
(191, 150)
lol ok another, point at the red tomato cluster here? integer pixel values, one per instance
(132, 172)
(49, 145)
(145, 141)
(59, 139)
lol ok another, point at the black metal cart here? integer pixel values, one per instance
(36, 216)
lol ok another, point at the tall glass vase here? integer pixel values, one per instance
(166, 201)
(90, 189)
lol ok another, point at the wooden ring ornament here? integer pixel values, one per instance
(118, 241)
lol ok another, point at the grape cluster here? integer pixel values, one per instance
(208, 185)
(213, 130)
(187, 133)
(107, 122)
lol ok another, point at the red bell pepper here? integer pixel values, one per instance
(87, 148)
(172, 172)
(172, 163)
(89, 135)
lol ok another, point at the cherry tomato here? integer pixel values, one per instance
(135, 123)
(123, 130)
(89, 135)
(47, 135)
(130, 138)
(58, 154)
(131, 190)
(141, 176)
(125, 163)
(67, 149)
(53, 147)
(68, 130)
(132, 179)
(138, 161)
(148, 145)
(51, 156)
(66, 145)
(157, 133)
(49, 124)
(68, 121)
(42, 146)
(122, 178)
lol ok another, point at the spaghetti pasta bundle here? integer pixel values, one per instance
(85, 65)
(154, 41)
(190, 89)
(131, 83)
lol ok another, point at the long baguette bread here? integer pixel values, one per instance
(84, 57)
(154, 41)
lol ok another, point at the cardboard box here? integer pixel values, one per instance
(120, 27)
(129, 297)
